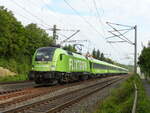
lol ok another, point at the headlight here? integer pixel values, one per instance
(32, 67)
(52, 67)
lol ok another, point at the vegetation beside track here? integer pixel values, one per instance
(21, 69)
(20, 77)
(121, 99)
(144, 61)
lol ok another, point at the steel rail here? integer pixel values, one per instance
(14, 82)
(17, 92)
(135, 99)
(75, 100)
(33, 105)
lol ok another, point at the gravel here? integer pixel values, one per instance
(9, 87)
(52, 94)
(147, 87)
(91, 103)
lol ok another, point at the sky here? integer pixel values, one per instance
(90, 17)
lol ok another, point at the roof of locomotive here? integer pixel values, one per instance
(62, 51)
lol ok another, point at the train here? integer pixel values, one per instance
(56, 65)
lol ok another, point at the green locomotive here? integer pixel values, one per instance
(51, 64)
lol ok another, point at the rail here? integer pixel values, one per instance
(14, 82)
(135, 100)
(67, 99)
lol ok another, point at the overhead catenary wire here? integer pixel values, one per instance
(101, 4)
(38, 17)
(91, 11)
(29, 19)
(26, 17)
(49, 6)
(86, 3)
(102, 24)
(48, 25)
(17, 4)
(98, 14)
(103, 28)
(117, 35)
(100, 21)
(83, 18)
(125, 39)
(119, 24)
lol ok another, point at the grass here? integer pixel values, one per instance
(148, 80)
(143, 105)
(20, 77)
(121, 99)
(21, 67)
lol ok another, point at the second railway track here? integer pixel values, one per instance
(59, 102)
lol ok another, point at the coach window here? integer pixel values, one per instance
(103, 66)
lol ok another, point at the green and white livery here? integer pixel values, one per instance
(51, 64)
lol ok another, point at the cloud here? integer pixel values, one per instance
(46, 13)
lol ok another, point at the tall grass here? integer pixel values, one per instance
(21, 66)
(20, 77)
(121, 99)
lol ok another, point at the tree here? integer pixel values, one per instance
(144, 61)
(12, 40)
(102, 57)
(94, 53)
(98, 54)
(37, 37)
(18, 42)
(70, 48)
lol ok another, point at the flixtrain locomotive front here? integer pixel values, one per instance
(43, 65)
(50, 64)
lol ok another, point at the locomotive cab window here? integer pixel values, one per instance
(45, 54)
(61, 57)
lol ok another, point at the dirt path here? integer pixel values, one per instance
(147, 87)
(6, 72)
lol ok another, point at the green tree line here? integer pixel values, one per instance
(144, 61)
(18, 42)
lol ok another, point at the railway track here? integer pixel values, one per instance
(10, 91)
(11, 87)
(12, 98)
(59, 102)
(14, 82)
(29, 93)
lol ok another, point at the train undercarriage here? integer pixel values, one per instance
(63, 77)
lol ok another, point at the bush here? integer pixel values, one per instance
(121, 99)
(14, 78)
(20, 67)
